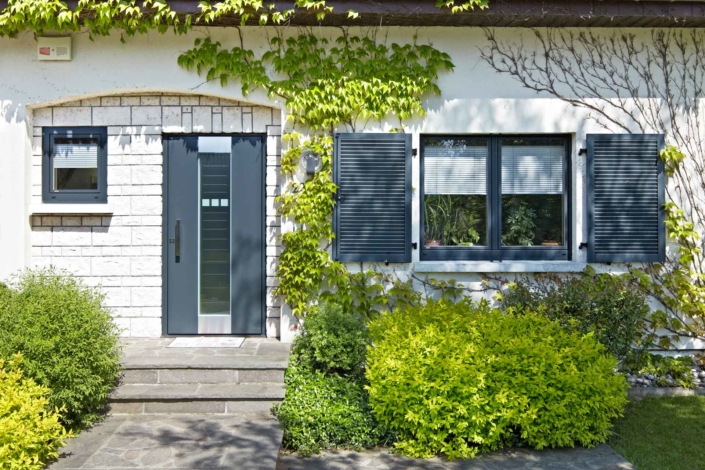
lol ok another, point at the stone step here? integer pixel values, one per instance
(195, 375)
(278, 362)
(196, 398)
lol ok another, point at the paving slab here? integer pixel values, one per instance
(248, 441)
(602, 457)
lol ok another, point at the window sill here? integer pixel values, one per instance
(499, 267)
(78, 209)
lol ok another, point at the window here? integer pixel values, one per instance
(495, 198)
(74, 165)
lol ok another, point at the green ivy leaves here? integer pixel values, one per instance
(327, 85)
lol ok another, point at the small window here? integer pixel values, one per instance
(74, 165)
(495, 198)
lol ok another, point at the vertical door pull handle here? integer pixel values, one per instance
(177, 236)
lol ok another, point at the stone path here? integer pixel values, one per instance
(601, 457)
(248, 441)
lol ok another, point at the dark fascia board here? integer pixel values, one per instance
(501, 13)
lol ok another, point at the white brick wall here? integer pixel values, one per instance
(123, 252)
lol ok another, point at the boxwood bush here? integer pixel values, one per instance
(68, 340)
(460, 378)
(332, 341)
(326, 411)
(30, 431)
(326, 404)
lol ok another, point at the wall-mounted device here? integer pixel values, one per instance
(312, 161)
(52, 48)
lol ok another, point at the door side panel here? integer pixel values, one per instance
(182, 205)
(248, 235)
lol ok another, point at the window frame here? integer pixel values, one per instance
(51, 196)
(495, 251)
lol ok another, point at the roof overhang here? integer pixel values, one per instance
(503, 13)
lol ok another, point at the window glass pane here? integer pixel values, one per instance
(532, 192)
(75, 163)
(214, 170)
(455, 191)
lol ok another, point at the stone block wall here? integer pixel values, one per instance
(122, 252)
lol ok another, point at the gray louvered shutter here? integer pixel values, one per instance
(626, 193)
(372, 219)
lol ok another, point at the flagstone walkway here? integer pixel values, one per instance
(204, 442)
(602, 457)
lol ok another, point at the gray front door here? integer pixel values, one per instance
(214, 218)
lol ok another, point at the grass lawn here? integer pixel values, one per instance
(663, 434)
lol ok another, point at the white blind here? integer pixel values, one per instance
(75, 154)
(454, 167)
(532, 169)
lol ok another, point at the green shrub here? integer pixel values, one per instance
(605, 304)
(68, 340)
(331, 341)
(324, 411)
(30, 431)
(460, 379)
(679, 368)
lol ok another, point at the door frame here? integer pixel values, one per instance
(165, 226)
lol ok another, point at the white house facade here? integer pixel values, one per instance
(120, 120)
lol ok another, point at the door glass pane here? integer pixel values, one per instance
(75, 163)
(455, 191)
(532, 192)
(214, 261)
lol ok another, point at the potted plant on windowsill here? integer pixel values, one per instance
(520, 222)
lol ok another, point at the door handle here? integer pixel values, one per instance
(177, 237)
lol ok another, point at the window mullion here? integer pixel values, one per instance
(494, 190)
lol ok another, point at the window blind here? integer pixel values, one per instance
(532, 169)
(70, 153)
(453, 167)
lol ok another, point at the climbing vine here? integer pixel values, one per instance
(327, 84)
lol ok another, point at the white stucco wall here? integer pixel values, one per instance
(474, 99)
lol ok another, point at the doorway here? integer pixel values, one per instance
(214, 235)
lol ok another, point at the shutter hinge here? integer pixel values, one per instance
(582, 245)
(414, 152)
(415, 246)
(582, 151)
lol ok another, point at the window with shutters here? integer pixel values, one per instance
(74, 165)
(495, 198)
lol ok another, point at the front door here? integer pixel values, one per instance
(214, 218)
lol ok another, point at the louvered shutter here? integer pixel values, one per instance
(626, 192)
(372, 218)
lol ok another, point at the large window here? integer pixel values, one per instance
(74, 165)
(495, 198)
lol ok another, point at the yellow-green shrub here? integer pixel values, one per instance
(461, 378)
(30, 431)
